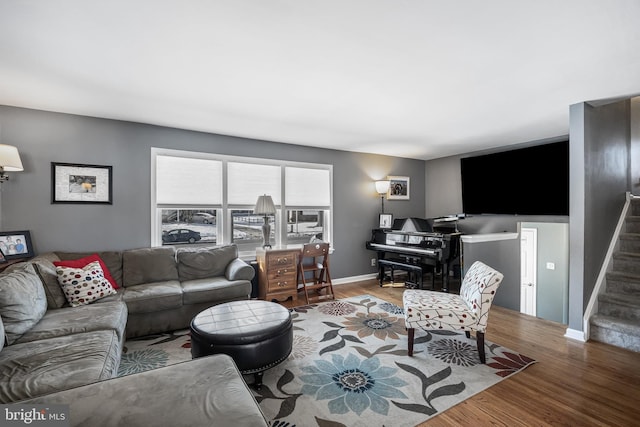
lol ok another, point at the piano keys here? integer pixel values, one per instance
(412, 245)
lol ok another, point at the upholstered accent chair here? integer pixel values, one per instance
(469, 311)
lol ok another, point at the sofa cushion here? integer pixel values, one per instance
(22, 301)
(208, 391)
(86, 318)
(36, 368)
(118, 296)
(49, 277)
(82, 262)
(152, 297)
(214, 289)
(112, 259)
(84, 285)
(148, 265)
(200, 263)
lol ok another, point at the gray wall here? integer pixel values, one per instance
(443, 187)
(600, 167)
(45, 137)
(634, 156)
(504, 256)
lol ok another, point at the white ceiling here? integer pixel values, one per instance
(420, 79)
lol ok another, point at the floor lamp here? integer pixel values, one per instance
(382, 187)
(265, 207)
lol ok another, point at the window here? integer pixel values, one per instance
(305, 226)
(203, 222)
(212, 198)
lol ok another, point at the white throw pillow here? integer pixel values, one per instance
(85, 285)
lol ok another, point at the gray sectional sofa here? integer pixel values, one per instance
(164, 287)
(51, 349)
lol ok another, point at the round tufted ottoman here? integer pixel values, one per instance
(256, 334)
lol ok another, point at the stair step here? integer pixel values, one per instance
(628, 262)
(623, 283)
(617, 332)
(620, 306)
(635, 206)
(630, 242)
(632, 224)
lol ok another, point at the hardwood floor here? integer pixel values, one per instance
(572, 383)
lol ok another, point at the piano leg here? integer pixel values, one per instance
(445, 277)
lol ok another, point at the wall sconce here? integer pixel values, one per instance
(9, 161)
(382, 187)
(265, 207)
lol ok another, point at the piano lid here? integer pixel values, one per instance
(412, 225)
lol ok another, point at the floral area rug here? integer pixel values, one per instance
(349, 367)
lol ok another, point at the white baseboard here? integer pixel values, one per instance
(575, 335)
(361, 278)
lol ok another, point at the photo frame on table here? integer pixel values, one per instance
(16, 244)
(398, 188)
(81, 184)
(386, 220)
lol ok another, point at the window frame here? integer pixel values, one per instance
(224, 224)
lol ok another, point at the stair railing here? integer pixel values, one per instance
(592, 307)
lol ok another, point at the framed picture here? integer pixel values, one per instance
(16, 244)
(386, 220)
(74, 183)
(398, 188)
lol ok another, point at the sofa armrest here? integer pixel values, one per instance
(239, 270)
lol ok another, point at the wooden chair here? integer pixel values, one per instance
(469, 311)
(313, 272)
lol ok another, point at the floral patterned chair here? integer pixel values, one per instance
(429, 310)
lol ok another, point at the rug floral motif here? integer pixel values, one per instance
(349, 367)
(155, 351)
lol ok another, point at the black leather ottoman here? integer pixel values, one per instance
(256, 334)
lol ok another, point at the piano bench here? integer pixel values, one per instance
(414, 269)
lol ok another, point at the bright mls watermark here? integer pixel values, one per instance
(34, 415)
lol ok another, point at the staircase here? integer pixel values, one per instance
(617, 321)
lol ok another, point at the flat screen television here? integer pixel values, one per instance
(525, 181)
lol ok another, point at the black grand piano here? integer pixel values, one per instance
(411, 244)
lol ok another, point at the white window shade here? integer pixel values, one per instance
(307, 187)
(247, 181)
(188, 181)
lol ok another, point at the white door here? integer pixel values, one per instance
(528, 263)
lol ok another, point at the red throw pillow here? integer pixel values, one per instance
(82, 262)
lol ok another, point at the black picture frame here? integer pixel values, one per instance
(81, 184)
(10, 241)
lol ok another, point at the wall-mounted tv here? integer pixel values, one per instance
(525, 181)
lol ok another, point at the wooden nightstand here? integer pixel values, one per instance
(278, 274)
